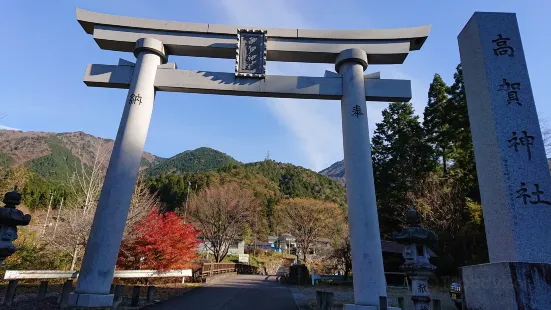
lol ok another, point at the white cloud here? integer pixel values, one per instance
(2, 127)
(315, 124)
(318, 133)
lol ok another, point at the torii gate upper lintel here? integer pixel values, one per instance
(152, 41)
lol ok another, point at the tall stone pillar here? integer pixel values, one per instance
(367, 258)
(512, 168)
(98, 266)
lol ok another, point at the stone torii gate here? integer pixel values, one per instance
(152, 41)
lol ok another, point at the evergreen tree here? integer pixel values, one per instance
(464, 169)
(436, 122)
(401, 159)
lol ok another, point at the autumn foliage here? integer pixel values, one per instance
(159, 242)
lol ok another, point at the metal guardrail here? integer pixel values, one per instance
(71, 274)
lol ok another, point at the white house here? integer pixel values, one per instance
(236, 248)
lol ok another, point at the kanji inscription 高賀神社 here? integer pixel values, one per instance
(523, 141)
(512, 89)
(502, 47)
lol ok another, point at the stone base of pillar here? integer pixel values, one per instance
(90, 300)
(360, 307)
(507, 285)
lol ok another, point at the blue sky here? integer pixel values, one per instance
(45, 52)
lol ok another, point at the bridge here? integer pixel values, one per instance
(243, 292)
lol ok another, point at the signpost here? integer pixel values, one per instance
(244, 258)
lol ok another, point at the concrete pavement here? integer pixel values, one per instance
(243, 292)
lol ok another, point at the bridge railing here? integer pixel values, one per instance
(43, 275)
(210, 269)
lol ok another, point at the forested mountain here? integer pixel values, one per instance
(54, 156)
(42, 162)
(269, 180)
(201, 159)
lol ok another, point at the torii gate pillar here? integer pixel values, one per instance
(367, 267)
(96, 274)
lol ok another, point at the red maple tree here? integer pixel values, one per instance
(159, 241)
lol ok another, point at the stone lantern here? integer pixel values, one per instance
(416, 254)
(10, 218)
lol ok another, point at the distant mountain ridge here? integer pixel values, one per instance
(336, 172)
(198, 160)
(54, 155)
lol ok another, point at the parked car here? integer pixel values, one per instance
(455, 294)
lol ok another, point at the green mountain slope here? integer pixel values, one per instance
(270, 181)
(54, 155)
(294, 181)
(56, 166)
(201, 159)
(5, 160)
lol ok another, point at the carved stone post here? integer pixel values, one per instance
(416, 254)
(10, 218)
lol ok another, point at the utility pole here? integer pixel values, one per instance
(58, 214)
(255, 220)
(48, 214)
(187, 198)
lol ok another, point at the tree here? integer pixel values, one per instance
(76, 221)
(545, 133)
(143, 201)
(307, 220)
(456, 219)
(86, 182)
(342, 253)
(222, 214)
(162, 242)
(464, 168)
(14, 176)
(173, 189)
(72, 233)
(401, 158)
(436, 121)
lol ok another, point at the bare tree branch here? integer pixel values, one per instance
(76, 220)
(546, 133)
(308, 220)
(221, 214)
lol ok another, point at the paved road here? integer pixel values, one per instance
(243, 292)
